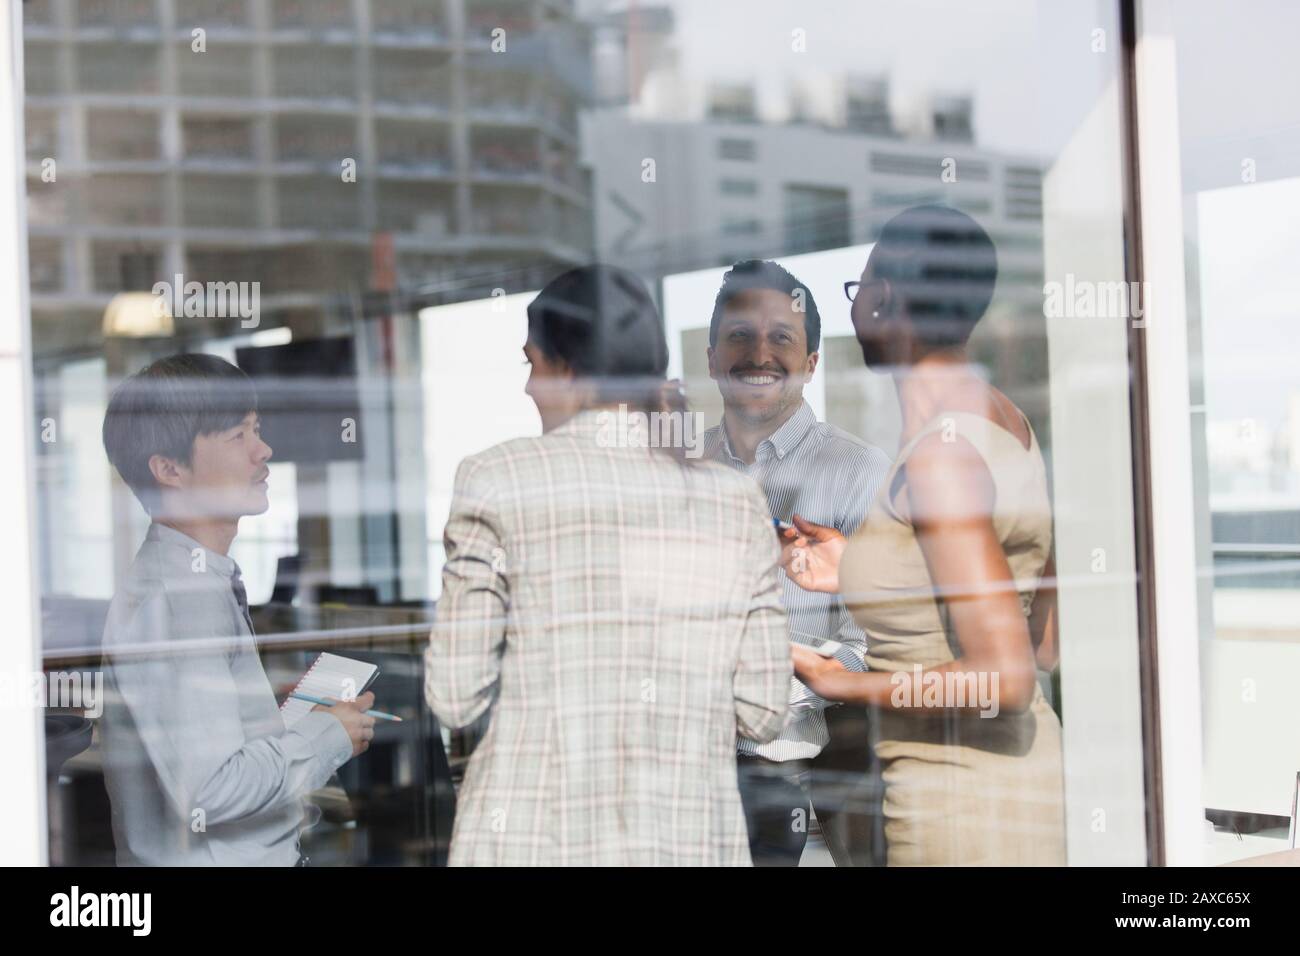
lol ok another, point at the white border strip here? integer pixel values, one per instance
(22, 797)
(1169, 427)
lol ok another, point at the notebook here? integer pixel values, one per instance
(331, 677)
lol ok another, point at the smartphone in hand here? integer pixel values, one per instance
(824, 648)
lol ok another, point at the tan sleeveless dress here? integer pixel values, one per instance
(959, 790)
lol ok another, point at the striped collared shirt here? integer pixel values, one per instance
(828, 476)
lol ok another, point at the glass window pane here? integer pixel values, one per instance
(1241, 189)
(346, 208)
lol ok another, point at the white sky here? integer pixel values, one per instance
(993, 50)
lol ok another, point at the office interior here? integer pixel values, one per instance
(398, 177)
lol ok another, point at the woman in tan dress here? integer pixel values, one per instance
(944, 574)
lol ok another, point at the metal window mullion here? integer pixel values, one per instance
(1163, 441)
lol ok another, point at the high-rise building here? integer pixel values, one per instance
(316, 146)
(674, 196)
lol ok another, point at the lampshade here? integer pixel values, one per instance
(138, 315)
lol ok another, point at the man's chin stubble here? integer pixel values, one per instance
(765, 415)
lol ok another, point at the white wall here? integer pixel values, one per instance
(22, 798)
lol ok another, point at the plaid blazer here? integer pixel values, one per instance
(620, 613)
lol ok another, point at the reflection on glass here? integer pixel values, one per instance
(391, 182)
(1241, 184)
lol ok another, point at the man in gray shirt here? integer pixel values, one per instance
(198, 763)
(763, 348)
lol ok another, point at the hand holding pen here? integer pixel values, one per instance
(356, 717)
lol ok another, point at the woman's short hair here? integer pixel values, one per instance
(601, 321)
(942, 267)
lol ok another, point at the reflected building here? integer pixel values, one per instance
(680, 183)
(316, 146)
(357, 160)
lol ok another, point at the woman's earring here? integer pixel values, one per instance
(876, 314)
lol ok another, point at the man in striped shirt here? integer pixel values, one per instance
(763, 342)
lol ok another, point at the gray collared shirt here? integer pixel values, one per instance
(198, 763)
(830, 477)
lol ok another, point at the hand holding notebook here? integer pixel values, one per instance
(329, 680)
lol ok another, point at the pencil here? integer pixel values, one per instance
(330, 703)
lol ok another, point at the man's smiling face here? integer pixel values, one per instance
(761, 360)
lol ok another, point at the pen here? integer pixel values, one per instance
(330, 703)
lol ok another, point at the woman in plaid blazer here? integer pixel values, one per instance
(615, 605)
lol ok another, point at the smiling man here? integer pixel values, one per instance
(197, 760)
(763, 342)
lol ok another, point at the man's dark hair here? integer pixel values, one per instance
(161, 409)
(750, 274)
(601, 321)
(942, 267)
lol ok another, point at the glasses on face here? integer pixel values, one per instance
(876, 294)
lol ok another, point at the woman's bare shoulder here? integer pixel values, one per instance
(986, 402)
